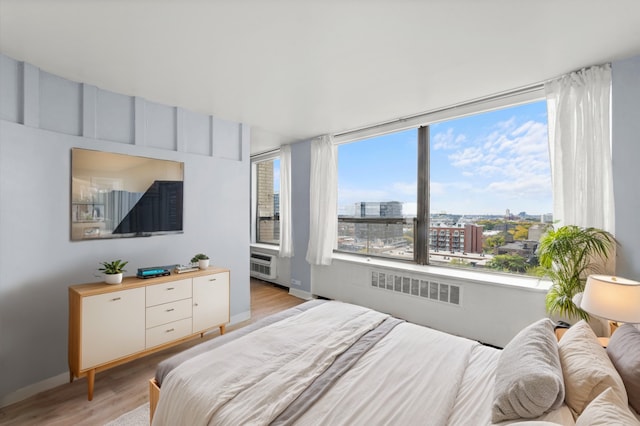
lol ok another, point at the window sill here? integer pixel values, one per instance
(463, 275)
(269, 247)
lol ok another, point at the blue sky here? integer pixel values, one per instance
(481, 164)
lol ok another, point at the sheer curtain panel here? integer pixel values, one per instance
(323, 221)
(286, 238)
(580, 148)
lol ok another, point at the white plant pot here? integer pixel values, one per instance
(203, 263)
(113, 278)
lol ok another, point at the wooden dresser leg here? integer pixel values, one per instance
(222, 329)
(91, 377)
(70, 377)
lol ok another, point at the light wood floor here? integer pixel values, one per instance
(125, 387)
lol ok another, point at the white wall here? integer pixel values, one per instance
(42, 118)
(493, 307)
(626, 160)
(300, 180)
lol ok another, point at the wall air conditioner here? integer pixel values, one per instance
(263, 266)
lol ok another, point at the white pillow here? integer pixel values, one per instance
(586, 368)
(528, 375)
(607, 409)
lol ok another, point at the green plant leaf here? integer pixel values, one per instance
(569, 254)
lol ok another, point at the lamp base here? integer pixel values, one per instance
(613, 326)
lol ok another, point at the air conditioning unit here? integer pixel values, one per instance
(263, 266)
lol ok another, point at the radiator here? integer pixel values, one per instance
(263, 266)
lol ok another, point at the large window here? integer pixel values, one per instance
(486, 185)
(267, 184)
(377, 195)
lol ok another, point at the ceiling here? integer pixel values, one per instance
(297, 69)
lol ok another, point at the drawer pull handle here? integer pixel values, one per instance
(170, 288)
(212, 279)
(170, 330)
(115, 299)
(169, 310)
(195, 304)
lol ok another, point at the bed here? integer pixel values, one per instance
(328, 362)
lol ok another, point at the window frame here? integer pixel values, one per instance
(255, 161)
(421, 122)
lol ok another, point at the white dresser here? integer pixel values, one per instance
(113, 324)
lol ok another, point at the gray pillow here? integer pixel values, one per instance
(624, 350)
(529, 379)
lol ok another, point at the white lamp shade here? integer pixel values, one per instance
(613, 298)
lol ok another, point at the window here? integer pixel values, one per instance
(267, 206)
(377, 195)
(486, 190)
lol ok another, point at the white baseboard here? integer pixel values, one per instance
(305, 295)
(34, 388)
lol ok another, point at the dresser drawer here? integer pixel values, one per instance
(168, 332)
(168, 312)
(158, 294)
(220, 279)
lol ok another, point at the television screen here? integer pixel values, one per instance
(158, 210)
(121, 196)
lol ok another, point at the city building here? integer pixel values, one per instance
(386, 233)
(524, 249)
(455, 238)
(537, 231)
(268, 226)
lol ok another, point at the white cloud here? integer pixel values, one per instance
(410, 209)
(405, 188)
(394, 191)
(437, 188)
(447, 140)
(467, 157)
(511, 162)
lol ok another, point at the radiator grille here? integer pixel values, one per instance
(431, 290)
(261, 269)
(263, 266)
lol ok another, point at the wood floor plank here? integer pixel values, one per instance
(125, 387)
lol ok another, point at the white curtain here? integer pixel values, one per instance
(286, 240)
(578, 107)
(323, 221)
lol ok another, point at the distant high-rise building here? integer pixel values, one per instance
(379, 209)
(268, 207)
(387, 233)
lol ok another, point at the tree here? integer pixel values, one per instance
(408, 237)
(508, 263)
(521, 232)
(492, 243)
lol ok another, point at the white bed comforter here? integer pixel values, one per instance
(252, 379)
(412, 376)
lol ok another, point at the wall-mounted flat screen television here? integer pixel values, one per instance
(120, 196)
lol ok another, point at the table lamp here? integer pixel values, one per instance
(614, 298)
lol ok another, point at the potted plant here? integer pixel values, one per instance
(568, 255)
(202, 260)
(113, 271)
